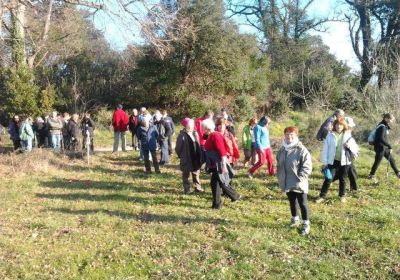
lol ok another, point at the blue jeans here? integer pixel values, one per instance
(56, 141)
(26, 145)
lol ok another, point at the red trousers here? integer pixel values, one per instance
(264, 156)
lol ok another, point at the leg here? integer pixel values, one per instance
(164, 152)
(92, 143)
(353, 177)
(155, 161)
(185, 181)
(135, 141)
(147, 160)
(253, 154)
(170, 145)
(123, 140)
(196, 180)
(292, 202)
(343, 170)
(116, 141)
(227, 189)
(259, 163)
(392, 162)
(303, 203)
(270, 161)
(378, 159)
(216, 190)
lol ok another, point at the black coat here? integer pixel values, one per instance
(381, 143)
(87, 125)
(73, 130)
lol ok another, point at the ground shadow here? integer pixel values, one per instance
(143, 216)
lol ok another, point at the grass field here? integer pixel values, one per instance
(62, 219)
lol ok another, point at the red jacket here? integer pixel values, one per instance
(216, 142)
(120, 120)
(199, 128)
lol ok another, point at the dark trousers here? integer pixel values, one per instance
(164, 151)
(378, 158)
(337, 171)
(135, 141)
(352, 174)
(147, 164)
(217, 187)
(170, 145)
(16, 144)
(300, 199)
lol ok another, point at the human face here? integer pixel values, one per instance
(290, 137)
(190, 126)
(389, 121)
(339, 128)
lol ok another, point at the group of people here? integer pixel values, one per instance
(61, 132)
(210, 141)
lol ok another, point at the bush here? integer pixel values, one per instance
(243, 108)
(103, 118)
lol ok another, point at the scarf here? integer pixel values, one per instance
(291, 145)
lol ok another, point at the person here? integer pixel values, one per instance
(88, 126)
(55, 125)
(162, 141)
(334, 157)
(26, 134)
(144, 115)
(13, 131)
(39, 128)
(47, 141)
(229, 121)
(208, 115)
(188, 150)
(294, 166)
(148, 135)
(73, 130)
(263, 147)
(326, 126)
(65, 136)
(249, 142)
(120, 121)
(169, 122)
(382, 147)
(133, 126)
(352, 169)
(218, 165)
(232, 148)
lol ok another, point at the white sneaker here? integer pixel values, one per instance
(306, 229)
(319, 200)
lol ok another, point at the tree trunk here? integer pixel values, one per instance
(18, 36)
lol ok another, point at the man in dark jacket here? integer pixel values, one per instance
(87, 127)
(148, 135)
(120, 123)
(163, 131)
(73, 130)
(133, 127)
(13, 130)
(382, 147)
(39, 128)
(171, 129)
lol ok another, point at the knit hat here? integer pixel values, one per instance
(186, 121)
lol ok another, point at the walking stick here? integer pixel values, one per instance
(88, 146)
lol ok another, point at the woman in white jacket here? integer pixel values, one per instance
(335, 157)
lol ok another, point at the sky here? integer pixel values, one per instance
(121, 32)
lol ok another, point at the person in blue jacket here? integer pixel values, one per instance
(148, 134)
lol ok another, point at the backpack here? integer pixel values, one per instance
(372, 134)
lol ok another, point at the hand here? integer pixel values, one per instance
(390, 151)
(224, 169)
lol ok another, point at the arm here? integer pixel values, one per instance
(179, 145)
(257, 136)
(324, 153)
(306, 166)
(380, 136)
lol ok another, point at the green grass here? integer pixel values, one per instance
(109, 221)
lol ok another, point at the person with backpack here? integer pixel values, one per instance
(88, 127)
(326, 127)
(171, 128)
(294, 166)
(73, 132)
(382, 147)
(338, 152)
(163, 131)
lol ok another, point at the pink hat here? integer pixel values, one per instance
(186, 121)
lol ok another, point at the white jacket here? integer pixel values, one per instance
(329, 148)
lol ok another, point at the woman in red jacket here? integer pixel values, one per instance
(232, 148)
(218, 164)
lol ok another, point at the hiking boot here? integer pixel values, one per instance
(305, 229)
(199, 189)
(239, 197)
(319, 200)
(343, 199)
(294, 222)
